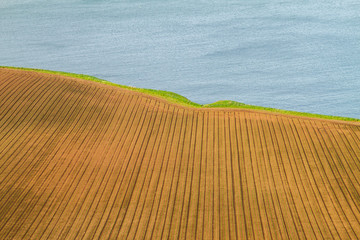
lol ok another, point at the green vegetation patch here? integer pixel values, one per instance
(233, 104)
(170, 96)
(178, 99)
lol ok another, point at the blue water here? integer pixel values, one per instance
(295, 55)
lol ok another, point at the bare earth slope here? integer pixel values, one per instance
(84, 160)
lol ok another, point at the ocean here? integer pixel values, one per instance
(294, 55)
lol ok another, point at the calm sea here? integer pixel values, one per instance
(294, 55)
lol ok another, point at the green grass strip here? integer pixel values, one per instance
(178, 99)
(170, 96)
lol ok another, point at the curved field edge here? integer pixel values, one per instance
(178, 99)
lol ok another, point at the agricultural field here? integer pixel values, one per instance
(85, 160)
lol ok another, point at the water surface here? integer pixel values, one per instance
(294, 55)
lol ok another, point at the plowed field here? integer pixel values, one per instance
(84, 160)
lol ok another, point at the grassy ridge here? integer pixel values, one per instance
(178, 99)
(234, 104)
(170, 96)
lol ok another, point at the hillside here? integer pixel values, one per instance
(85, 160)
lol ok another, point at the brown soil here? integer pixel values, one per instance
(84, 160)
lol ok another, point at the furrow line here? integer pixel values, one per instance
(60, 171)
(133, 132)
(280, 158)
(77, 169)
(192, 196)
(14, 142)
(347, 157)
(29, 109)
(338, 176)
(175, 176)
(157, 127)
(55, 208)
(28, 136)
(279, 140)
(260, 157)
(34, 178)
(90, 184)
(231, 159)
(303, 156)
(90, 228)
(160, 160)
(207, 223)
(21, 89)
(135, 173)
(265, 173)
(315, 153)
(341, 178)
(72, 216)
(275, 156)
(152, 217)
(292, 158)
(164, 226)
(240, 159)
(132, 182)
(354, 142)
(216, 180)
(224, 185)
(202, 179)
(112, 195)
(9, 89)
(49, 174)
(7, 77)
(248, 215)
(22, 104)
(254, 158)
(179, 226)
(26, 168)
(327, 182)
